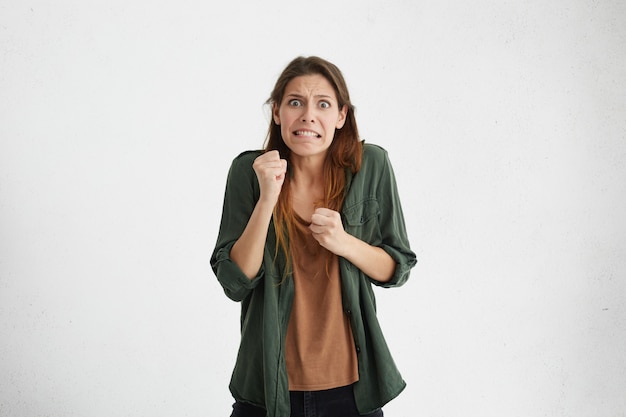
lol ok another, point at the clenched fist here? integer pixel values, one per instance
(270, 170)
(327, 229)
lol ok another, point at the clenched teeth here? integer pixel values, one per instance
(307, 133)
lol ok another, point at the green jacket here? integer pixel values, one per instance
(371, 212)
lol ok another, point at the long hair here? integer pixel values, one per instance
(343, 154)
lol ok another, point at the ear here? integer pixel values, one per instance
(341, 120)
(275, 114)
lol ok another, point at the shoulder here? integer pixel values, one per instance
(374, 156)
(373, 149)
(241, 166)
(244, 160)
(247, 157)
(374, 166)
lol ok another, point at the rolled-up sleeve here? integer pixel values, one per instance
(240, 197)
(394, 236)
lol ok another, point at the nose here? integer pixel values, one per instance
(307, 115)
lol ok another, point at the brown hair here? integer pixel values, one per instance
(344, 153)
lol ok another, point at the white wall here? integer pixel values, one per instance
(506, 124)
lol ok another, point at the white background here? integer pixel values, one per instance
(505, 122)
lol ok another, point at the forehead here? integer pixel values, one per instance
(310, 85)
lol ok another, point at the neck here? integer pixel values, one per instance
(307, 171)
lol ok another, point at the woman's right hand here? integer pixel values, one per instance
(247, 252)
(270, 170)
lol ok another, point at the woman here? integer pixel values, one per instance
(308, 225)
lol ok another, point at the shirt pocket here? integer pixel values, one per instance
(361, 220)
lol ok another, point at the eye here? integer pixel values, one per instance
(324, 104)
(294, 103)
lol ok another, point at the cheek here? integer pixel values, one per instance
(286, 118)
(331, 123)
(285, 131)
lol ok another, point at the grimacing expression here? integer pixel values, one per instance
(308, 115)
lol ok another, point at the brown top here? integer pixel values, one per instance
(320, 352)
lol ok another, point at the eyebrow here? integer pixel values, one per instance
(296, 95)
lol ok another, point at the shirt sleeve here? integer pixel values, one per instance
(240, 197)
(394, 236)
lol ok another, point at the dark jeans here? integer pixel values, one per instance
(336, 402)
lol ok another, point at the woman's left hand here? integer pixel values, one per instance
(327, 229)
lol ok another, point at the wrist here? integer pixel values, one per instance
(347, 247)
(266, 203)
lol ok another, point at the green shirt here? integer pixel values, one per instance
(372, 213)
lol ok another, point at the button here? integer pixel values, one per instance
(358, 349)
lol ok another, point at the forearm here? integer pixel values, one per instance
(372, 260)
(247, 252)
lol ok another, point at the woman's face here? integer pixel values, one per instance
(308, 115)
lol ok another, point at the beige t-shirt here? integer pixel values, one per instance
(320, 352)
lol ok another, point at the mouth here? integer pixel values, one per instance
(307, 133)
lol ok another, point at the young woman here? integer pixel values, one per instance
(308, 225)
